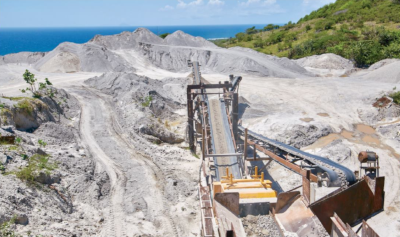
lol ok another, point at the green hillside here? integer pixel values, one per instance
(365, 31)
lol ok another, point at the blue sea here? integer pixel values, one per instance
(14, 40)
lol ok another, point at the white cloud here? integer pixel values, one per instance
(258, 2)
(216, 2)
(269, 2)
(182, 4)
(167, 8)
(196, 3)
(249, 2)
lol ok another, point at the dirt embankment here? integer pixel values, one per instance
(48, 179)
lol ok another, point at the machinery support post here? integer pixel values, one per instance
(190, 121)
(235, 115)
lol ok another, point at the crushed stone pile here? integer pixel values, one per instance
(336, 151)
(382, 63)
(326, 61)
(261, 226)
(71, 57)
(179, 38)
(127, 40)
(224, 61)
(102, 54)
(22, 57)
(384, 71)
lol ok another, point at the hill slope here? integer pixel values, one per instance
(365, 31)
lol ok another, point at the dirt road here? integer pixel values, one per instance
(136, 203)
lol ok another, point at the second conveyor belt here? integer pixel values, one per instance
(337, 173)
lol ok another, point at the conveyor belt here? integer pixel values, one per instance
(337, 173)
(222, 141)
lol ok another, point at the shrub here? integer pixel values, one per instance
(164, 35)
(147, 101)
(5, 229)
(36, 163)
(42, 143)
(33, 85)
(258, 44)
(365, 53)
(240, 36)
(25, 105)
(396, 97)
(392, 51)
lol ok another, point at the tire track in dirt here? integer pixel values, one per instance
(115, 222)
(167, 223)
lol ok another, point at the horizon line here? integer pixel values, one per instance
(141, 26)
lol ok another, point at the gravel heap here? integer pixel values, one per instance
(179, 38)
(261, 226)
(71, 57)
(384, 71)
(326, 61)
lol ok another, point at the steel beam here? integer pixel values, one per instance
(282, 161)
(235, 114)
(223, 155)
(209, 86)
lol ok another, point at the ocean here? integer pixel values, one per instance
(14, 40)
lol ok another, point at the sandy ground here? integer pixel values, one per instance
(11, 80)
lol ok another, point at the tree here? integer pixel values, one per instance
(240, 36)
(251, 30)
(308, 28)
(269, 27)
(32, 81)
(164, 35)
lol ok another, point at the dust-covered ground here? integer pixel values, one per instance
(116, 132)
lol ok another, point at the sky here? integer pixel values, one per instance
(84, 13)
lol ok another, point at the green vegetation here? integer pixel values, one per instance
(36, 163)
(42, 143)
(147, 101)
(35, 87)
(365, 31)
(164, 35)
(396, 97)
(13, 148)
(25, 105)
(13, 98)
(5, 228)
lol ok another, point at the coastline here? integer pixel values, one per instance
(15, 40)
